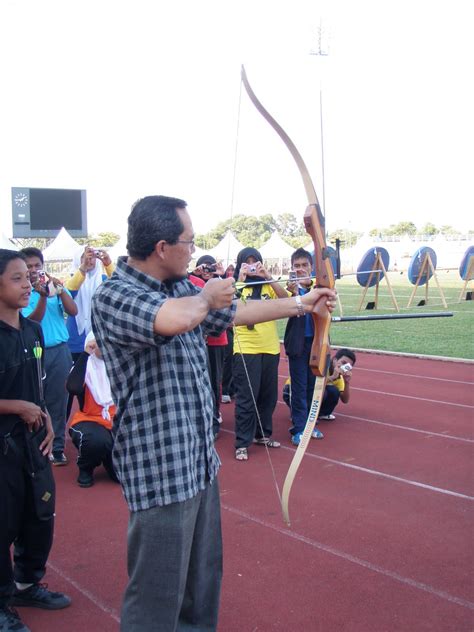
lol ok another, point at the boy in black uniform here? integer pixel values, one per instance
(26, 438)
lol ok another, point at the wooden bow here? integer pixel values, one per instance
(320, 351)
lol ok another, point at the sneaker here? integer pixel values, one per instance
(296, 438)
(219, 419)
(10, 620)
(327, 417)
(58, 458)
(38, 596)
(226, 399)
(85, 478)
(317, 434)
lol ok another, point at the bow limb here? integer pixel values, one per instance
(319, 358)
(320, 349)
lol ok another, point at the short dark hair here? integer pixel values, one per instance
(301, 253)
(8, 255)
(346, 352)
(31, 251)
(152, 219)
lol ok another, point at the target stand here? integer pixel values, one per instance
(466, 272)
(371, 270)
(421, 269)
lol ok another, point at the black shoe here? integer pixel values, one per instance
(38, 596)
(10, 621)
(85, 478)
(109, 468)
(58, 458)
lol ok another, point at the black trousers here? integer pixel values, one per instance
(70, 400)
(19, 525)
(227, 372)
(330, 399)
(94, 443)
(262, 369)
(216, 364)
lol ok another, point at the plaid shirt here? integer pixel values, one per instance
(164, 445)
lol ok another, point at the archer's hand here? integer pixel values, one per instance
(46, 446)
(320, 301)
(218, 293)
(31, 414)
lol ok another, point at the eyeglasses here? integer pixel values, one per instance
(190, 242)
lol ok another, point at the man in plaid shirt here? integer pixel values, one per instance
(150, 323)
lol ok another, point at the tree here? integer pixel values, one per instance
(249, 230)
(34, 242)
(348, 237)
(289, 226)
(429, 229)
(101, 240)
(402, 228)
(448, 230)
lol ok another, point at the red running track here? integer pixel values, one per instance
(381, 532)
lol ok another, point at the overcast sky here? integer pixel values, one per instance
(126, 99)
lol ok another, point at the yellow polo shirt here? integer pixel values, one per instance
(263, 337)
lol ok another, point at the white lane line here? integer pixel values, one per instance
(417, 377)
(86, 593)
(443, 434)
(421, 399)
(426, 432)
(365, 470)
(407, 581)
(407, 481)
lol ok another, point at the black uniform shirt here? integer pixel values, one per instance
(19, 376)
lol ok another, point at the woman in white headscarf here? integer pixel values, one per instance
(88, 273)
(91, 426)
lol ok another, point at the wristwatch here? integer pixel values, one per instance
(299, 306)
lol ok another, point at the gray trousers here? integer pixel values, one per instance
(175, 566)
(57, 364)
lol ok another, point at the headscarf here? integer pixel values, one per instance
(206, 260)
(84, 295)
(97, 380)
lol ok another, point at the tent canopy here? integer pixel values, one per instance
(63, 248)
(227, 249)
(119, 250)
(6, 243)
(276, 248)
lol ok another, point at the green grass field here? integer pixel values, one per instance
(451, 337)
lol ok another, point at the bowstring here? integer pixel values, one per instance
(236, 335)
(234, 174)
(257, 412)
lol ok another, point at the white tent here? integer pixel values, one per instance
(63, 248)
(119, 250)
(6, 243)
(227, 249)
(198, 252)
(276, 248)
(276, 254)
